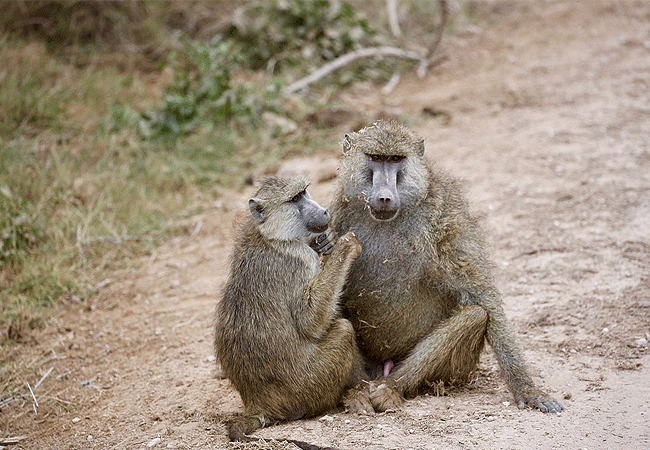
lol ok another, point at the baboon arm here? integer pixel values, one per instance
(507, 352)
(512, 363)
(320, 302)
(473, 285)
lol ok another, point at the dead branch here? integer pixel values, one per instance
(346, 59)
(12, 440)
(426, 60)
(444, 16)
(393, 20)
(426, 64)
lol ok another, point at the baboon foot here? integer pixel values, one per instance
(384, 396)
(357, 401)
(538, 400)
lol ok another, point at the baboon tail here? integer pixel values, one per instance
(240, 427)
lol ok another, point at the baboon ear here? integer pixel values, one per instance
(346, 144)
(255, 205)
(420, 147)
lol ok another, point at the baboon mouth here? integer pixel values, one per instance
(383, 214)
(318, 228)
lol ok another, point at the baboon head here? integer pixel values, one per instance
(284, 210)
(384, 167)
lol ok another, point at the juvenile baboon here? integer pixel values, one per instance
(421, 296)
(278, 334)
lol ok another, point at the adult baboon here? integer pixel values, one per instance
(278, 336)
(421, 296)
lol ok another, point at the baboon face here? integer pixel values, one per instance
(384, 168)
(384, 200)
(284, 210)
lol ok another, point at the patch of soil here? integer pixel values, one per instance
(546, 117)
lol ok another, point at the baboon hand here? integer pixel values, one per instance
(539, 400)
(350, 244)
(323, 244)
(384, 396)
(357, 401)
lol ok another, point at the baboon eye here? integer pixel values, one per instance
(386, 158)
(296, 198)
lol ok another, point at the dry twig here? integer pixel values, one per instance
(35, 402)
(12, 440)
(47, 374)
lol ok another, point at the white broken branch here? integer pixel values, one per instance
(393, 20)
(346, 59)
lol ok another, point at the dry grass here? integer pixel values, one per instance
(74, 180)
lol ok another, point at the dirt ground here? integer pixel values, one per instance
(543, 109)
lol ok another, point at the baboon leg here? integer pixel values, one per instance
(339, 358)
(449, 353)
(357, 399)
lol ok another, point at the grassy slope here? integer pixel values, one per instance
(77, 181)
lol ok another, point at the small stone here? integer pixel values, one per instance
(641, 342)
(153, 442)
(605, 330)
(506, 404)
(76, 420)
(326, 418)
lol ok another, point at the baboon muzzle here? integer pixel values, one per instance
(384, 198)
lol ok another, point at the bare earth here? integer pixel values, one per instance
(543, 109)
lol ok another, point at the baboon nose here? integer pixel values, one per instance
(385, 200)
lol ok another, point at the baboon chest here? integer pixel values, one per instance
(392, 299)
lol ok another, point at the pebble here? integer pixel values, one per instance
(641, 342)
(326, 418)
(153, 442)
(76, 420)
